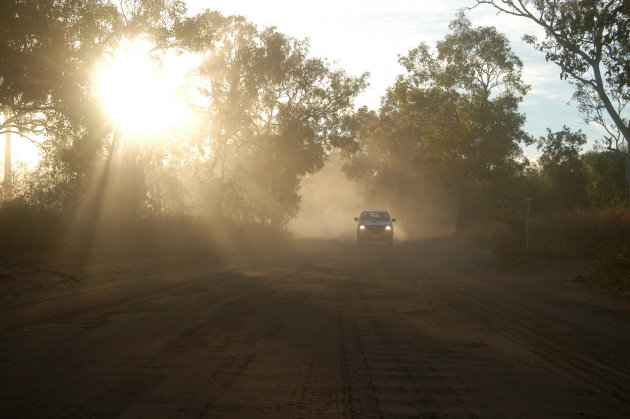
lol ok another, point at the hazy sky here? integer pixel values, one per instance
(368, 35)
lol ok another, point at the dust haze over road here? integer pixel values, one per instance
(330, 201)
(426, 328)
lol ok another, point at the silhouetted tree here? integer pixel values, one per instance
(46, 48)
(605, 179)
(589, 40)
(560, 162)
(48, 53)
(463, 101)
(273, 112)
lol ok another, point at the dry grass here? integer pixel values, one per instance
(43, 232)
(581, 234)
(613, 267)
(601, 235)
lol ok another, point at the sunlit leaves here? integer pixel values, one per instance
(273, 112)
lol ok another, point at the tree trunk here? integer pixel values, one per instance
(131, 184)
(8, 178)
(277, 213)
(462, 213)
(628, 173)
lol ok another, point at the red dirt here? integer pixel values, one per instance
(421, 329)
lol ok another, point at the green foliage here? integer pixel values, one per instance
(471, 92)
(272, 111)
(273, 114)
(448, 131)
(606, 185)
(563, 168)
(588, 40)
(566, 180)
(453, 118)
(479, 60)
(46, 50)
(45, 47)
(614, 267)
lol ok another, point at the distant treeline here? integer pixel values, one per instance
(448, 139)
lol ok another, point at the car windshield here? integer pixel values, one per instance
(374, 216)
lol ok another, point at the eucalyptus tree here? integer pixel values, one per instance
(464, 100)
(562, 164)
(387, 162)
(589, 41)
(273, 113)
(305, 109)
(606, 186)
(44, 50)
(49, 51)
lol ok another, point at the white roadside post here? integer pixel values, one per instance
(528, 200)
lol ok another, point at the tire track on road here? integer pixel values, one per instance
(546, 332)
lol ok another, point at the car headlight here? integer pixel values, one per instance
(361, 227)
(388, 228)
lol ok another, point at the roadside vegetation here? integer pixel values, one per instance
(600, 235)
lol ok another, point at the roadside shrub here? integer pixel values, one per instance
(613, 267)
(580, 234)
(601, 235)
(483, 235)
(25, 229)
(596, 234)
(24, 224)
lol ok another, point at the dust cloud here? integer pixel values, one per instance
(330, 201)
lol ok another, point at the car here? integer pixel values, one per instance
(375, 226)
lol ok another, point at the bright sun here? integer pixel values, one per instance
(145, 95)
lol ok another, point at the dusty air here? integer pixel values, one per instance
(246, 209)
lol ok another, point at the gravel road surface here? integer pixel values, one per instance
(324, 330)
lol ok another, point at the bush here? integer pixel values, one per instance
(613, 267)
(24, 224)
(602, 235)
(25, 228)
(591, 234)
(579, 234)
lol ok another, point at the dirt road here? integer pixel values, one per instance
(326, 330)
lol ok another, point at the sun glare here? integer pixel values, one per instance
(23, 150)
(145, 94)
